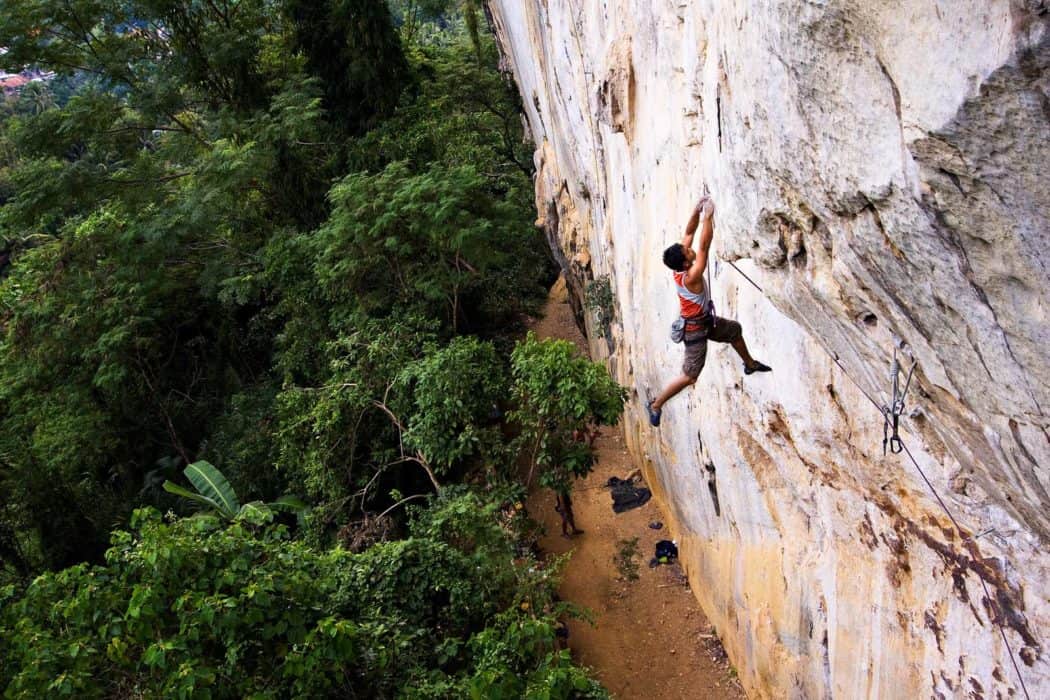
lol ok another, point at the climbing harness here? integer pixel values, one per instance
(678, 328)
(892, 413)
(891, 418)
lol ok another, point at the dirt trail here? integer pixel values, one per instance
(650, 639)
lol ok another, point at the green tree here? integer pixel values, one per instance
(353, 47)
(180, 281)
(415, 15)
(250, 235)
(93, 389)
(455, 396)
(425, 242)
(135, 217)
(558, 396)
(461, 112)
(332, 434)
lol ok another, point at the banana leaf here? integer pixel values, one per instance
(211, 484)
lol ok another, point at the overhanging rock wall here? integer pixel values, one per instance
(880, 169)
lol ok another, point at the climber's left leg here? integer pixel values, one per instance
(727, 331)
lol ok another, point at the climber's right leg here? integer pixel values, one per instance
(679, 383)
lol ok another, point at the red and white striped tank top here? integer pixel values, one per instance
(691, 303)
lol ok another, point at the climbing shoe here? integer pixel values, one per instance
(757, 367)
(654, 415)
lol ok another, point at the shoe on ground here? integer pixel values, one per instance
(654, 415)
(757, 367)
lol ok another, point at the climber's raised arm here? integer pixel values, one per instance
(705, 213)
(694, 223)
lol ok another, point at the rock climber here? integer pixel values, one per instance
(701, 324)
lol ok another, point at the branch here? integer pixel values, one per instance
(461, 262)
(532, 460)
(164, 412)
(221, 13)
(141, 127)
(326, 387)
(419, 458)
(403, 500)
(203, 141)
(363, 493)
(149, 181)
(382, 407)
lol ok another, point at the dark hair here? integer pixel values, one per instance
(674, 257)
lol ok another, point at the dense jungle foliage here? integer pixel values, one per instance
(291, 239)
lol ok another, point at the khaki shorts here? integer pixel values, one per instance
(724, 331)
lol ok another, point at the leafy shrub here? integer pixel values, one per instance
(181, 609)
(193, 609)
(515, 659)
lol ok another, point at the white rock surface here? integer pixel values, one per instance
(880, 169)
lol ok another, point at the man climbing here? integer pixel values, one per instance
(701, 325)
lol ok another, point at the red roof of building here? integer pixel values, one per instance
(14, 81)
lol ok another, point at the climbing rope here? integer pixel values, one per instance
(891, 415)
(733, 265)
(975, 552)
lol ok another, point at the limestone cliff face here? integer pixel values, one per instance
(880, 169)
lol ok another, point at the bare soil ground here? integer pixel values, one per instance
(649, 639)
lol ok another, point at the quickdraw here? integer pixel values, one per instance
(892, 413)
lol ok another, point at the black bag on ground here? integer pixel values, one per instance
(666, 550)
(626, 495)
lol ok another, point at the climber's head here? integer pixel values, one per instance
(678, 257)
